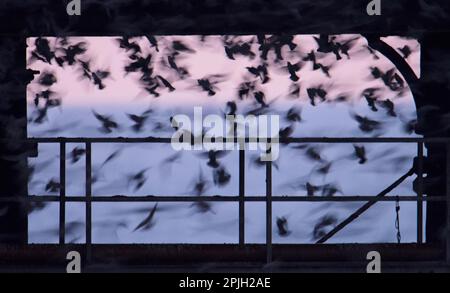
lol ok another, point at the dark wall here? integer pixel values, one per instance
(19, 19)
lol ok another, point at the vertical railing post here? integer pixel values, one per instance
(242, 194)
(88, 200)
(269, 206)
(62, 193)
(420, 192)
(447, 226)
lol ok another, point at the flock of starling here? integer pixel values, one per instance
(64, 53)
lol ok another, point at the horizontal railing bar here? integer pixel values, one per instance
(236, 140)
(123, 198)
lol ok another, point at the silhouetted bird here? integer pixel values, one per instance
(98, 77)
(344, 47)
(29, 74)
(294, 91)
(406, 51)
(182, 72)
(124, 43)
(320, 229)
(294, 114)
(391, 79)
(256, 161)
(213, 156)
(206, 85)
(282, 226)
(245, 89)
(366, 124)
(293, 68)
(111, 157)
(260, 98)
(166, 83)
(72, 51)
(389, 106)
(369, 95)
(180, 46)
(311, 189)
(148, 222)
(316, 92)
(152, 90)
(313, 153)
(327, 46)
(409, 126)
(360, 153)
(330, 190)
(52, 186)
(323, 168)
(76, 154)
(232, 108)
(47, 79)
(260, 71)
(140, 64)
(138, 179)
(312, 57)
(286, 132)
(153, 42)
(241, 49)
(139, 121)
(372, 52)
(325, 69)
(107, 123)
(44, 53)
(221, 176)
(200, 187)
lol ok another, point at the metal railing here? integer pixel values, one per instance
(89, 198)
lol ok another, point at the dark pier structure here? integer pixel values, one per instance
(430, 24)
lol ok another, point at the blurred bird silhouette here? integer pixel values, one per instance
(282, 225)
(294, 114)
(312, 57)
(372, 52)
(316, 92)
(153, 42)
(200, 187)
(369, 95)
(124, 43)
(360, 153)
(47, 79)
(221, 176)
(406, 51)
(107, 123)
(139, 120)
(245, 89)
(256, 161)
(208, 83)
(72, 51)
(261, 72)
(330, 189)
(44, 53)
(52, 186)
(213, 157)
(148, 222)
(166, 83)
(365, 124)
(389, 106)
(138, 179)
(293, 69)
(181, 47)
(243, 49)
(76, 154)
(294, 91)
(325, 223)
